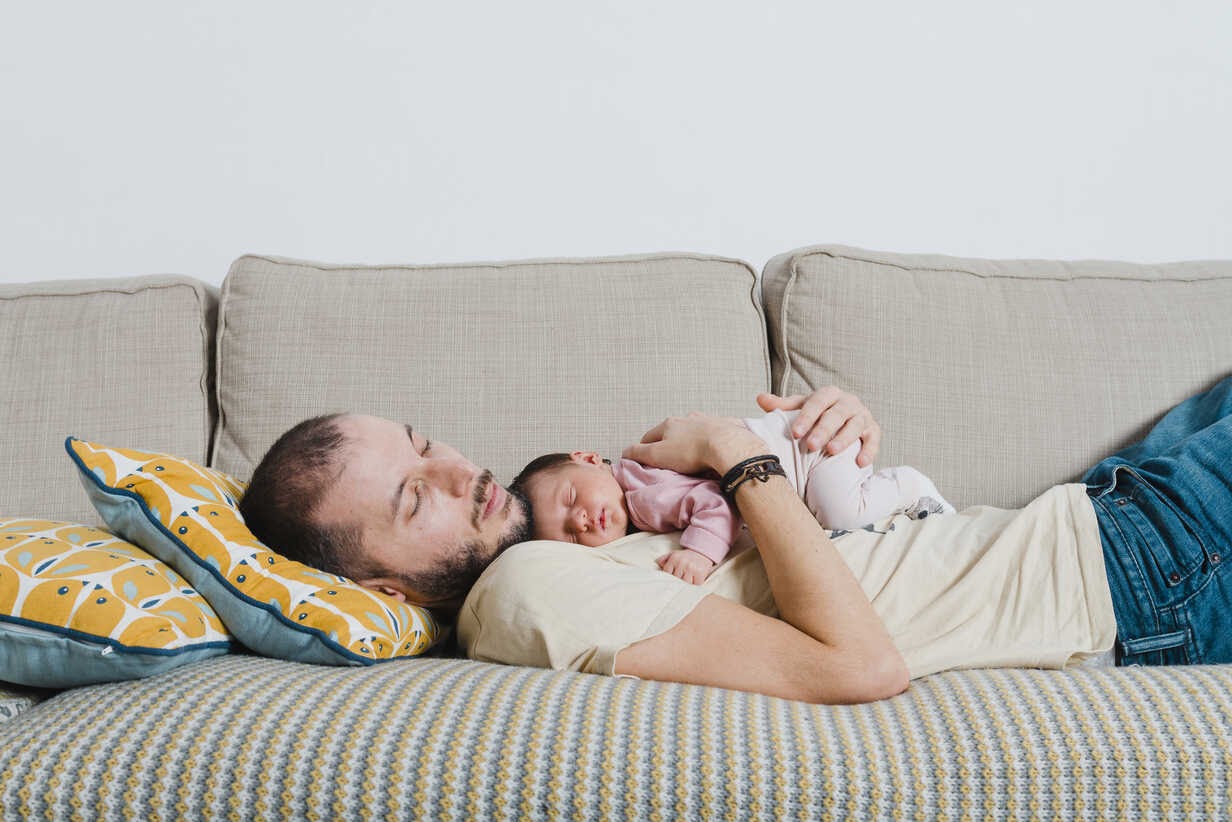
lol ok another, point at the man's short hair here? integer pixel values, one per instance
(287, 487)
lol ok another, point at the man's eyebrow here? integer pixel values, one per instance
(410, 435)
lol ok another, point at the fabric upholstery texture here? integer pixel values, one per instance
(79, 606)
(503, 361)
(187, 515)
(124, 359)
(16, 699)
(253, 738)
(999, 378)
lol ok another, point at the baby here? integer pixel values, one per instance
(582, 498)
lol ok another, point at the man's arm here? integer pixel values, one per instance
(829, 646)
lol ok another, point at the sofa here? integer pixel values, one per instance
(998, 377)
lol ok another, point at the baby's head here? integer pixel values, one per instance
(573, 498)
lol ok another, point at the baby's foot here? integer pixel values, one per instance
(930, 502)
(926, 506)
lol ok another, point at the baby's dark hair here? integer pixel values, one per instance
(537, 466)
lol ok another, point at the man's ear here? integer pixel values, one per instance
(398, 590)
(384, 587)
(586, 457)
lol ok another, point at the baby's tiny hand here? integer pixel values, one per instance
(688, 565)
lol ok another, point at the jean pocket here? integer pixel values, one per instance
(1171, 552)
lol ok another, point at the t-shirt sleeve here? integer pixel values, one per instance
(553, 605)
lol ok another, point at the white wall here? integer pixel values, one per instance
(143, 137)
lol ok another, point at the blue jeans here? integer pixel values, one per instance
(1164, 507)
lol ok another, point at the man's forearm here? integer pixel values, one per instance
(813, 588)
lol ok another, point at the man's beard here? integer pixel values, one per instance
(452, 578)
(523, 531)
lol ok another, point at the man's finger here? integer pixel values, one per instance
(871, 445)
(773, 402)
(638, 452)
(846, 435)
(642, 451)
(816, 407)
(825, 428)
(655, 434)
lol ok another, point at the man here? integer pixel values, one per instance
(1133, 556)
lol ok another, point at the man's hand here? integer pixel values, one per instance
(696, 443)
(689, 565)
(830, 417)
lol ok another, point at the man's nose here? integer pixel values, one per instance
(454, 477)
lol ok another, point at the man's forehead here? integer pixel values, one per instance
(368, 426)
(364, 467)
(368, 443)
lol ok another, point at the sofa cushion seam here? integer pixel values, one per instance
(957, 270)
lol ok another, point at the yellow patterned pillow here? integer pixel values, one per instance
(79, 605)
(186, 515)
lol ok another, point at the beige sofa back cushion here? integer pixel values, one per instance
(124, 361)
(501, 360)
(999, 377)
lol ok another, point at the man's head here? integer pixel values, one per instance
(574, 497)
(372, 500)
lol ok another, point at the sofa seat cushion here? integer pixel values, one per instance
(445, 739)
(503, 361)
(79, 605)
(999, 378)
(116, 359)
(17, 699)
(187, 516)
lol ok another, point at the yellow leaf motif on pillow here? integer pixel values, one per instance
(68, 576)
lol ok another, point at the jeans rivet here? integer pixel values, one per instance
(1214, 559)
(1174, 578)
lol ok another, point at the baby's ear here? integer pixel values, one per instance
(586, 457)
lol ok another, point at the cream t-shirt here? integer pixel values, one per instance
(982, 588)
